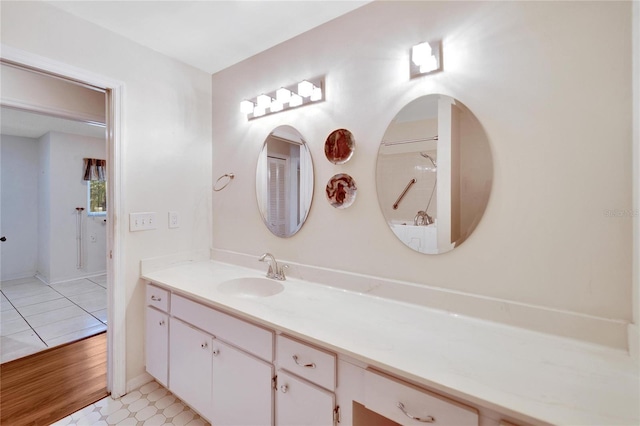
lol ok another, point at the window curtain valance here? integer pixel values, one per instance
(95, 169)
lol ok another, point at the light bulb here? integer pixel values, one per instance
(420, 53)
(283, 95)
(296, 100)
(305, 88)
(264, 101)
(258, 111)
(276, 106)
(246, 107)
(316, 95)
(429, 65)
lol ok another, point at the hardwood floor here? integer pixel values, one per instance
(45, 387)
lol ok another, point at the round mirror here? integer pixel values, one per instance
(434, 174)
(284, 181)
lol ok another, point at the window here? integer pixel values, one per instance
(97, 197)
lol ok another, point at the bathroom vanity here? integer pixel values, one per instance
(242, 349)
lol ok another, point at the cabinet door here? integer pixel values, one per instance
(190, 366)
(299, 403)
(157, 345)
(242, 388)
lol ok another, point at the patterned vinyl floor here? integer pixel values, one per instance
(151, 405)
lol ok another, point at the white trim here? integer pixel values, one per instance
(116, 288)
(139, 381)
(634, 330)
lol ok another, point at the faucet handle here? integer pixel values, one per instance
(280, 274)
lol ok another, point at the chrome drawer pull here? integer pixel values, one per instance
(161, 323)
(310, 365)
(156, 299)
(428, 419)
(215, 352)
(204, 345)
(284, 388)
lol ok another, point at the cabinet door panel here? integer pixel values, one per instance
(157, 345)
(242, 389)
(190, 366)
(299, 403)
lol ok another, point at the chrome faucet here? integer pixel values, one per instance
(275, 271)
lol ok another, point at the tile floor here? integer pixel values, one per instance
(36, 316)
(151, 405)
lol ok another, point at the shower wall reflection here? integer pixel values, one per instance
(438, 142)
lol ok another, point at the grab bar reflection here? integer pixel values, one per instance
(411, 182)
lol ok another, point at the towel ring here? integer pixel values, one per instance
(228, 176)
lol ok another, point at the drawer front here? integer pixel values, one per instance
(316, 365)
(384, 395)
(251, 338)
(157, 297)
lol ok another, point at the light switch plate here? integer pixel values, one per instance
(173, 220)
(143, 221)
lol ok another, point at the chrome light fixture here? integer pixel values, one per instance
(303, 93)
(426, 58)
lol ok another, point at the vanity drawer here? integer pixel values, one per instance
(316, 365)
(384, 394)
(158, 297)
(246, 336)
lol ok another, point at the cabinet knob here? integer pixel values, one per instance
(161, 323)
(216, 352)
(284, 388)
(428, 419)
(204, 345)
(156, 298)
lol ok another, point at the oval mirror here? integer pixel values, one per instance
(434, 174)
(284, 181)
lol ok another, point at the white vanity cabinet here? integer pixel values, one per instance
(157, 334)
(410, 405)
(157, 345)
(242, 388)
(300, 403)
(190, 367)
(306, 384)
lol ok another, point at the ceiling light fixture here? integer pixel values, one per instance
(303, 93)
(426, 58)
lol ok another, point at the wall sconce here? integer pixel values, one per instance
(304, 93)
(426, 58)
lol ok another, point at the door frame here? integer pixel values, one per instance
(116, 288)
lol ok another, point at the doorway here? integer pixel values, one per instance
(53, 266)
(116, 294)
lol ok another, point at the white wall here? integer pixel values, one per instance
(551, 84)
(19, 203)
(166, 138)
(67, 191)
(44, 207)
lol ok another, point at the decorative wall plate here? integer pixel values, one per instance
(339, 146)
(341, 191)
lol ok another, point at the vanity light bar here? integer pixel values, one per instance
(303, 93)
(425, 58)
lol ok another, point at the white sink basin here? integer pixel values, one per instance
(251, 287)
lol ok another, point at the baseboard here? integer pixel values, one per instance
(601, 331)
(79, 277)
(634, 341)
(19, 276)
(138, 381)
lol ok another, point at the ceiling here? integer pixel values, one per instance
(210, 35)
(15, 122)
